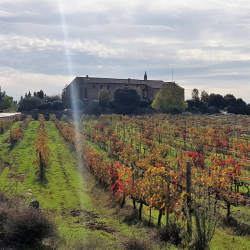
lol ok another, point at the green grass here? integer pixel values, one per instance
(70, 186)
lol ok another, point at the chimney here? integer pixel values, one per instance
(128, 80)
(87, 77)
(145, 76)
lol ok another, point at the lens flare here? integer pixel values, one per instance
(73, 92)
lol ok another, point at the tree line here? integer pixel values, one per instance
(126, 100)
(214, 103)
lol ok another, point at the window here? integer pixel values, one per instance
(85, 94)
(94, 86)
(108, 86)
(145, 94)
(101, 86)
(81, 94)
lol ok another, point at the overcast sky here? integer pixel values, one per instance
(44, 44)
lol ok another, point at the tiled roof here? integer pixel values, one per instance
(157, 84)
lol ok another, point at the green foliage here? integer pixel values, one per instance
(94, 108)
(111, 104)
(64, 119)
(78, 105)
(144, 103)
(6, 102)
(103, 98)
(230, 99)
(45, 106)
(57, 105)
(40, 94)
(217, 101)
(126, 100)
(169, 98)
(204, 96)
(66, 98)
(191, 103)
(29, 103)
(52, 98)
(206, 220)
(195, 95)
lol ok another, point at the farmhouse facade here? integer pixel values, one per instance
(87, 88)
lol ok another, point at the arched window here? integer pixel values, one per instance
(85, 94)
(145, 94)
(81, 94)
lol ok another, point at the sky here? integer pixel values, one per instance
(45, 44)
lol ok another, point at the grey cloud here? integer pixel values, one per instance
(205, 45)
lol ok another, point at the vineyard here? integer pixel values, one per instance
(171, 164)
(190, 170)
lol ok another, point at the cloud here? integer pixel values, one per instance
(205, 42)
(17, 83)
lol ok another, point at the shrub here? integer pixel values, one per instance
(22, 226)
(52, 98)
(103, 98)
(27, 227)
(29, 103)
(58, 105)
(78, 105)
(64, 119)
(240, 228)
(144, 103)
(94, 108)
(41, 107)
(205, 109)
(45, 106)
(205, 223)
(138, 244)
(52, 118)
(213, 109)
(48, 105)
(111, 104)
(171, 234)
(126, 100)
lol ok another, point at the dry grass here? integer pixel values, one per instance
(22, 226)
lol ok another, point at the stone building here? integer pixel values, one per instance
(87, 88)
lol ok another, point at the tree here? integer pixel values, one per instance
(2, 94)
(94, 108)
(217, 101)
(126, 100)
(195, 95)
(103, 98)
(169, 98)
(66, 98)
(191, 103)
(58, 105)
(29, 94)
(6, 102)
(52, 98)
(29, 103)
(40, 94)
(230, 99)
(240, 106)
(204, 96)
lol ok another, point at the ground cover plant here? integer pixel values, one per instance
(141, 163)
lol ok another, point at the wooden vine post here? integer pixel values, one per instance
(188, 183)
(168, 201)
